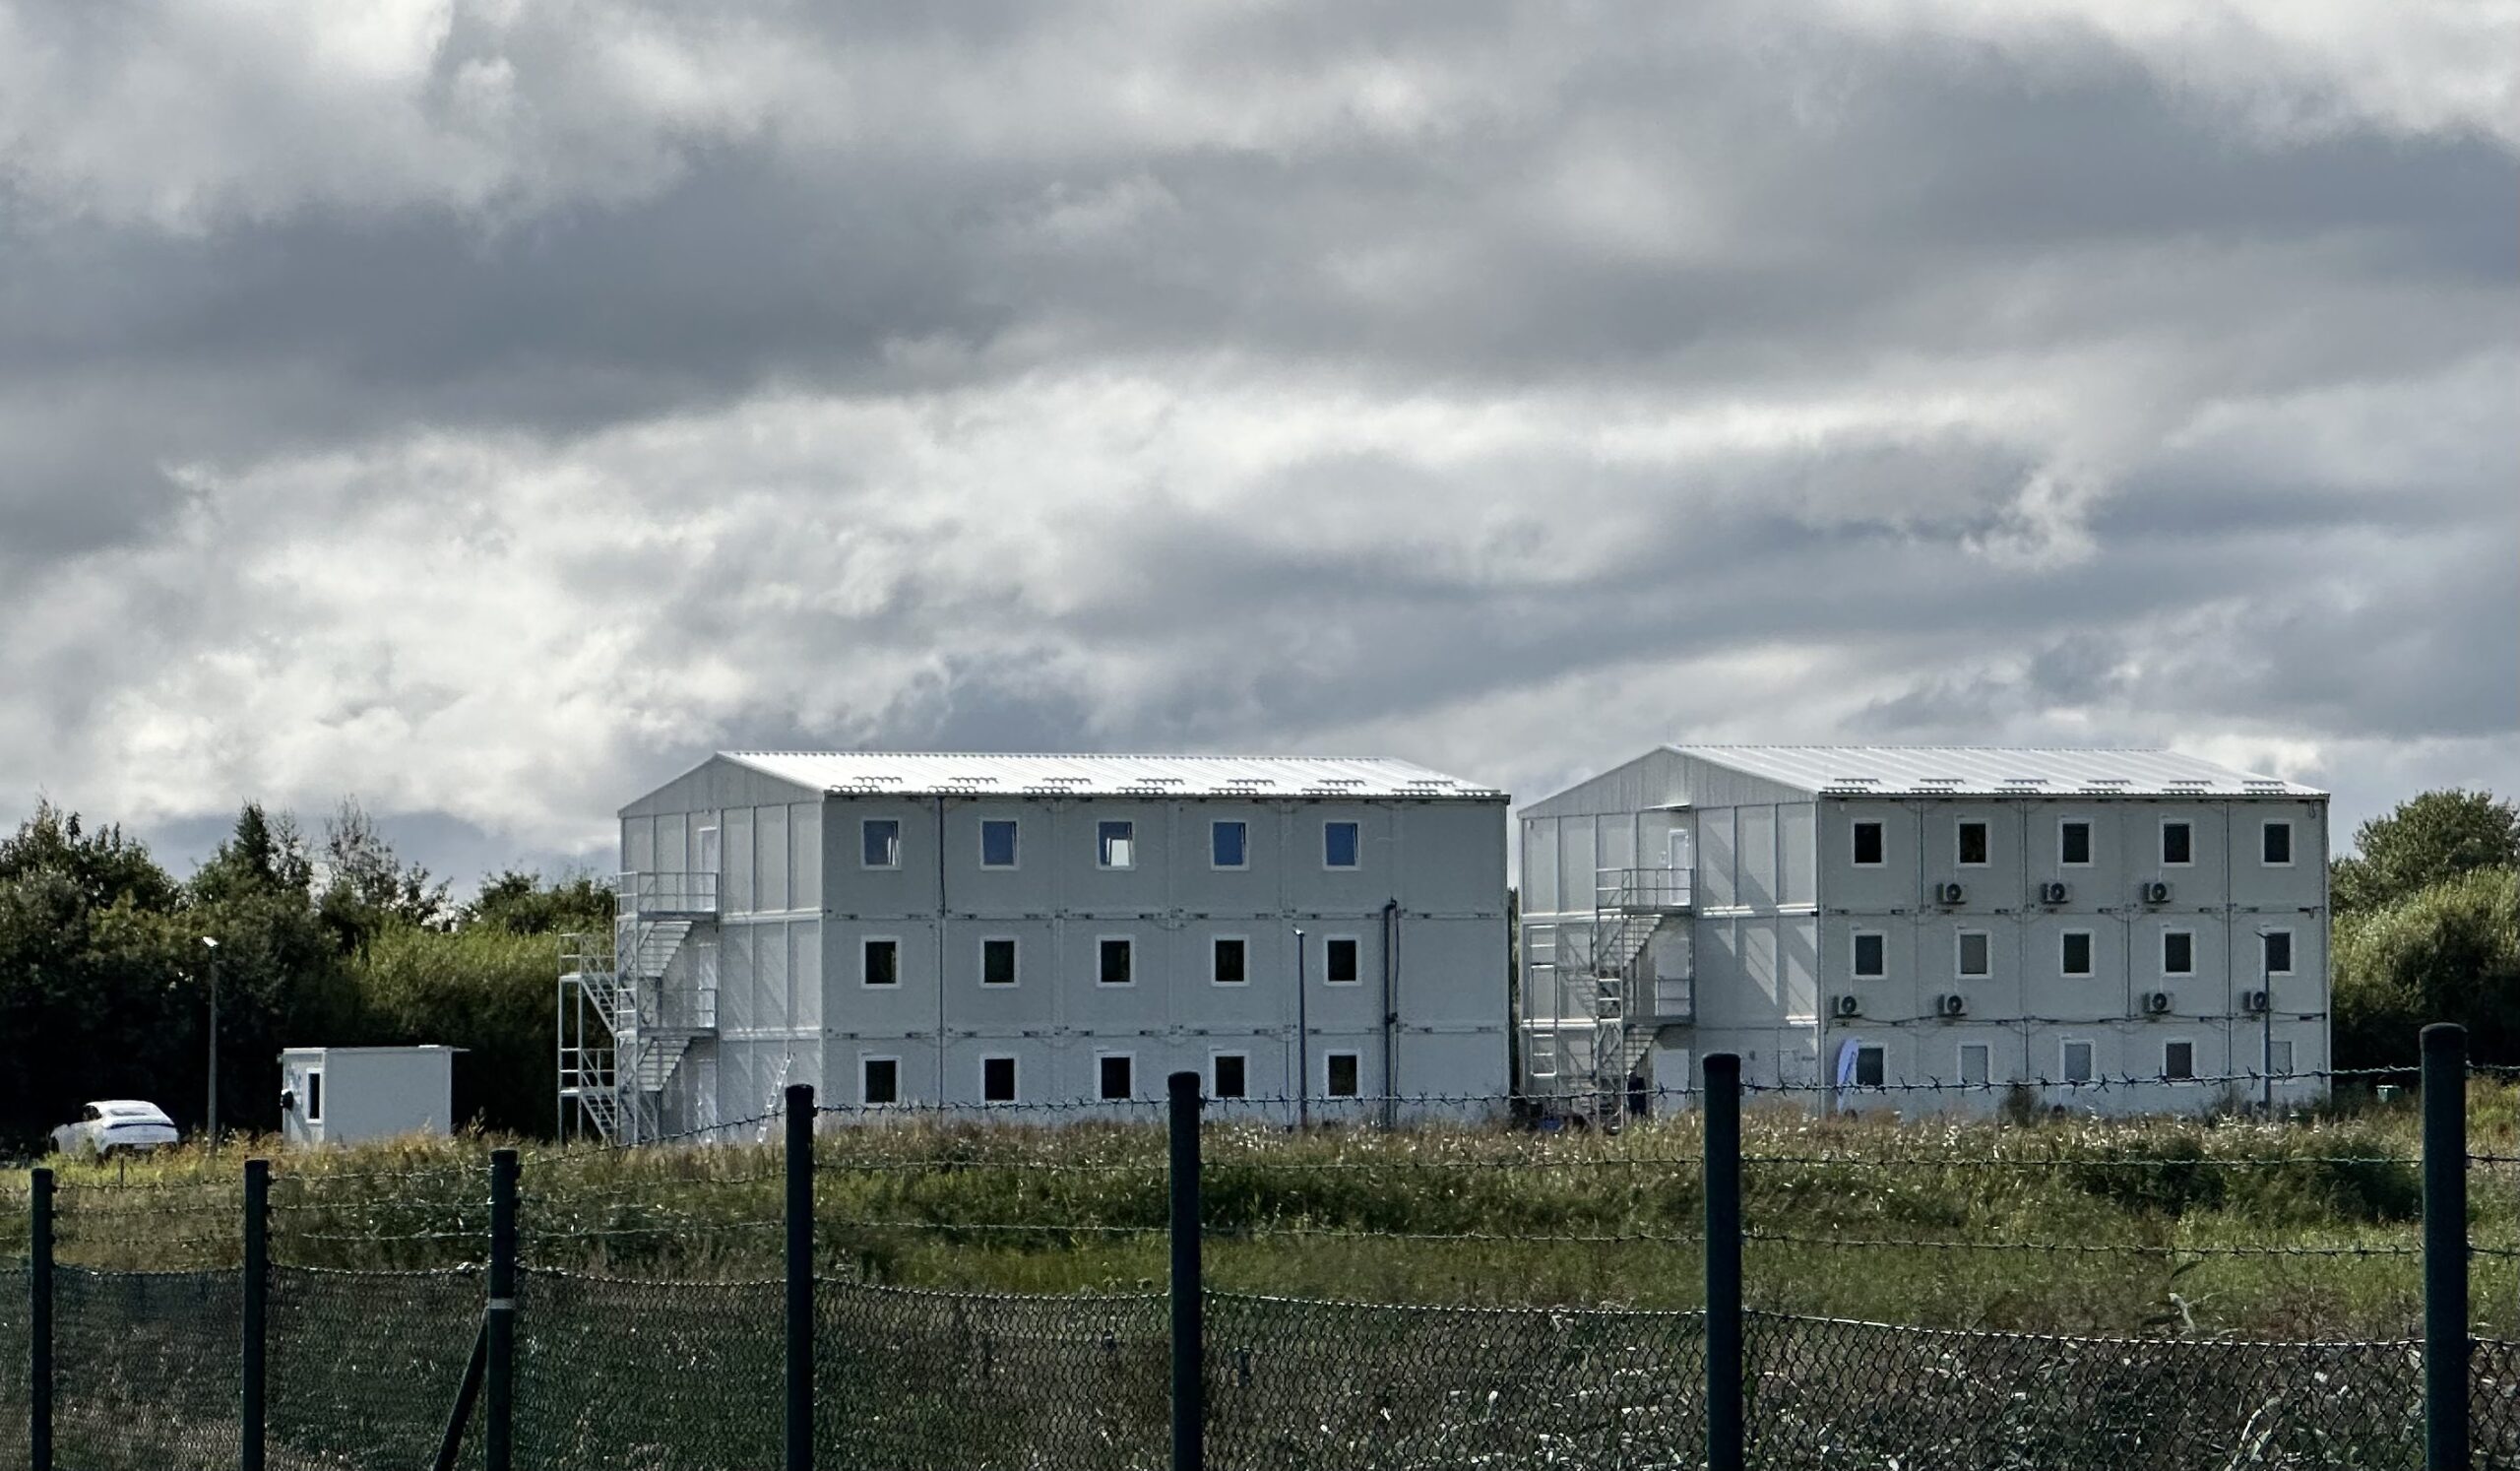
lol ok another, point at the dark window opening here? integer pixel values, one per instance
(1114, 1077)
(2277, 950)
(1342, 1079)
(2179, 843)
(2278, 843)
(1868, 1067)
(1118, 955)
(1339, 845)
(2074, 843)
(2178, 1059)
(1228, 845)
(883, 962)
(997, 1080)
(997, 962)
(1972, 843)
(2076, 957)
(2178, 953)
(1868, 843)
(1229, 962)
(1339, 958)
(1231, 1076)
(882, 838)
(879, 1080)
(997, 845)
(1871, 955)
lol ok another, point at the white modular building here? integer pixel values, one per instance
(340, 1095)
(2108, 930)
(976, 931)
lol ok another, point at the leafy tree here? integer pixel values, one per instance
(280, 977)
(367, 887)
(2447, 952)
(481, 989)
(2438, 836)
(522, 903)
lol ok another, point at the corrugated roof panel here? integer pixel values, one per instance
(2001, 771)
(951, 771)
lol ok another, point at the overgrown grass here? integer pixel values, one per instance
(1333, 1213)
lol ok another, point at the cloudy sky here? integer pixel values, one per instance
(489, 408)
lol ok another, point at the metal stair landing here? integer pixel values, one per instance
(628, 1015)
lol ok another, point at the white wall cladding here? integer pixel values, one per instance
(800, 904)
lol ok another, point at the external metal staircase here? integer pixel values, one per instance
(631, 1003)
(1629, 905)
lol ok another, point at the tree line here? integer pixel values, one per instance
(326, 940)
(332, 940)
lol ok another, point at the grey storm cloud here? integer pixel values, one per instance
(486, 409)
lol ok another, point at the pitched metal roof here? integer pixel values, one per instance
(2000, 771)
(931, 773)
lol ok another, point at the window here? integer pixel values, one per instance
(1339, 962)
(1114, 1076)
(1976, 1064)
(2077, 1061)
(1871, 954)
(882, 963)
(2073, 952)
(1868, 1067)
(1228, 1075)
(1338, 845)
(1339, 1075)
(1226, 967)
(1975, 955)
(1973, 845)
(2178, 844)
(1115, 845)
(997, 1080)
(2280, 1060)
(2178, 953)
(314, 1095)
(1117, 962)
(2275, 844)
(880, 843)
(2178, 1059)
(1867, 845)
(2073, 845)
(2274, 951)
(879, 1080)
(997, 962)
(997, 843)
(1228, 845)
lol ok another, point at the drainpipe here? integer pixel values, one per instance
(1390, 1007)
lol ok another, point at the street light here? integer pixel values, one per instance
(2266, 1024)
(212, 945)
(1303, 1043)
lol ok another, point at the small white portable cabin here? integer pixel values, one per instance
(343, 1093)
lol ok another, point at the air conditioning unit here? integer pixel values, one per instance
(1846, 1006)
(2156, 892)
(1949, 893)
(2051, 893)
(2254, 1001)
(2157, 1003)
(1951, 1005)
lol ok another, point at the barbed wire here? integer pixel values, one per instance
(2119, 1248)
(2098, 1162)
(1507, 1237)
(2098, 1082)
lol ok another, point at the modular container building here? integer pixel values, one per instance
(2024, 923)
(981, 931)
(340, 1095)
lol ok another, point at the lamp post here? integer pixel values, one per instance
(1303, 1043)
(212, 945)
(2266, 1027)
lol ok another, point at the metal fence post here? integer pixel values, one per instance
(498, 1323)
(1189, 1327)
(1723, 1442)
(800, 1278)
(257, 1287)
(40, 1319)
(2445, 1248)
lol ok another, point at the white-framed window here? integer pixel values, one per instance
(2279, 1058)
(1342, 1074)
(1228, 844)
(1116, 1075)
(1115, 960)
(2074, 843)
(2178, 1058)
(1869, 1061)
(879, 1080)
(2073, 1058)
(1869, 846)
(1228, 1074)
(1972, 844)
(997, 1080)
(2275, 844)
(1342, 845)
(998, 956)
(1976, 1064)
(879, 961)
(879, 843)
(2073, 953)
(1115, 845)
(1976, 953)
(1871, 954)
(2179, 843)
(998, 843)
(2179, 953)
(1341, 962)
(1228, 960)
(2275, 952)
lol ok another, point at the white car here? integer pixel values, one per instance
(122, 1123)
